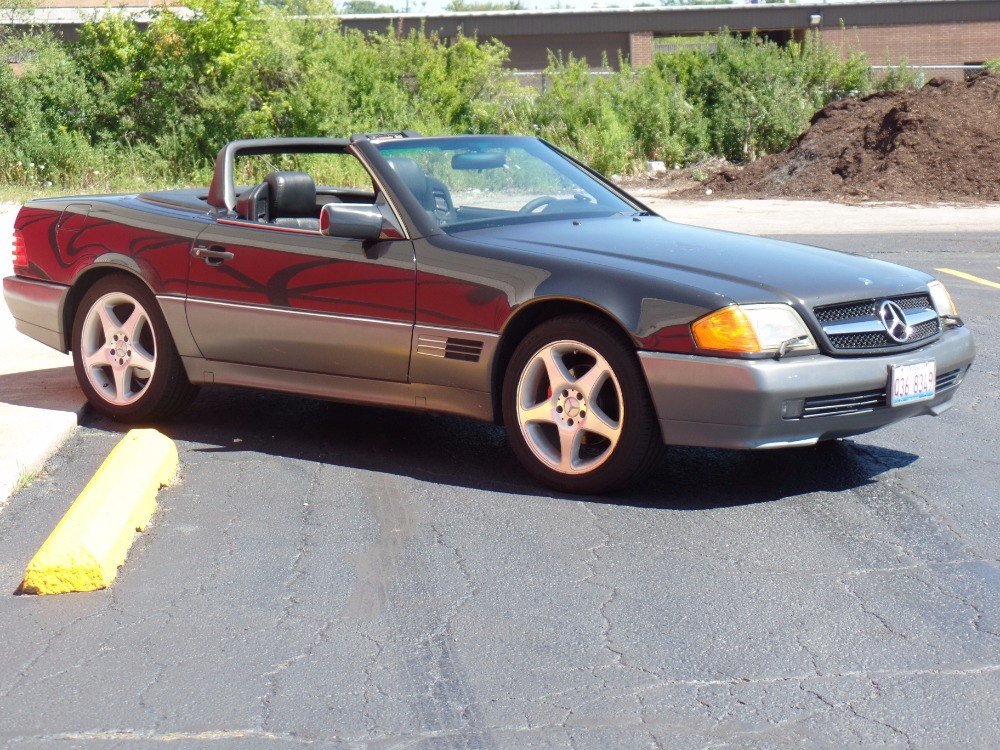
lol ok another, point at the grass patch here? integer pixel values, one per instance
(25, 479)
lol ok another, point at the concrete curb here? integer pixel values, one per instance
(25, 451)
(40, 401)
(90, 543)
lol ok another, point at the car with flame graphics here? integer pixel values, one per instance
(492, 277)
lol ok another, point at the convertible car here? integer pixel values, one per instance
(492, 277)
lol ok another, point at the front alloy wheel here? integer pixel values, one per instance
(576, 408)
(569, 407)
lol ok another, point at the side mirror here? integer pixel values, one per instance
(352, 220)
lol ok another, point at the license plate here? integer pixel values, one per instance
(910, 383)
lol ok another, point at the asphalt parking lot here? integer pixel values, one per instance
(323, 575)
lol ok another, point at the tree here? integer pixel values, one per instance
(465, 6)
(364, 7)
(15, 12)
(699, 2)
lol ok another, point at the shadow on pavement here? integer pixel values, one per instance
(463, 453)
(702, 478)
(54, 388)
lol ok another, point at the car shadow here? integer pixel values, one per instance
(703, 478)
(53, 388)
(463, 453)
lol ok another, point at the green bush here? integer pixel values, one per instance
(618, 120)
(45, 117)
(728, 96)
(125, 106)
(756, 96)
(897, 77)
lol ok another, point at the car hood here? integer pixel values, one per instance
(744, 268)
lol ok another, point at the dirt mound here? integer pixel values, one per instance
(938, 143)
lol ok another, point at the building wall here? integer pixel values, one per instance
(951, 44)
(641, 48)
(921, 32)
(532, 52)
(937, 44)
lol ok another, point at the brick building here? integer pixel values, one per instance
(952, 33)
(923, 32)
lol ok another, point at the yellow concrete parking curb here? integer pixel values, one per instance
(89, 544)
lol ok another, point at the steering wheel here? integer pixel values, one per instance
(535, 203)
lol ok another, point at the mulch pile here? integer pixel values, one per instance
(938, 143)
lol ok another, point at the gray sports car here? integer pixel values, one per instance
(492, 277)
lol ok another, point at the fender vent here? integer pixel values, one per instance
(466, 350)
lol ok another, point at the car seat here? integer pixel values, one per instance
(429, 191)
(291, 200)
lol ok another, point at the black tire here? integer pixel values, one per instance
(577, 409)
(123, 355)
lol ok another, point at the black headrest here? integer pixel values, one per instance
(291, 194)
(412, 175)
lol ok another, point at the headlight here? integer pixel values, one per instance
(753, 329)
(942, 300)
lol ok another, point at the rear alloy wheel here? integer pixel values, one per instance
(124, 358)
(576, 408)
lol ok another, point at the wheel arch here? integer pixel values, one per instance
(527, 318)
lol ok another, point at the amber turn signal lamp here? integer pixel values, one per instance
(728, 329)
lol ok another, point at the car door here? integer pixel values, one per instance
(296, 300)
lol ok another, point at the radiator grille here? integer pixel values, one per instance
(855, 326)
(880, 339)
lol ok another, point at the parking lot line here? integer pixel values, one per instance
(969, 277)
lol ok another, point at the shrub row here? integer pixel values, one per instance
(125, 106)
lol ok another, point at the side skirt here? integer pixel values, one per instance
(476, 405)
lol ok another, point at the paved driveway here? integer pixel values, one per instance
(332, 576)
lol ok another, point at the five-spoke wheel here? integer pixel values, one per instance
(576, 409)
(124, 358)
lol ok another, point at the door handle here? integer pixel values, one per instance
(213, 256)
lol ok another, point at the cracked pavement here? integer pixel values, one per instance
(323, 575)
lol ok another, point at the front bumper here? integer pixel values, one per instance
(37, 308)
(729, 403)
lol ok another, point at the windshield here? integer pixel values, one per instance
(473, 182)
